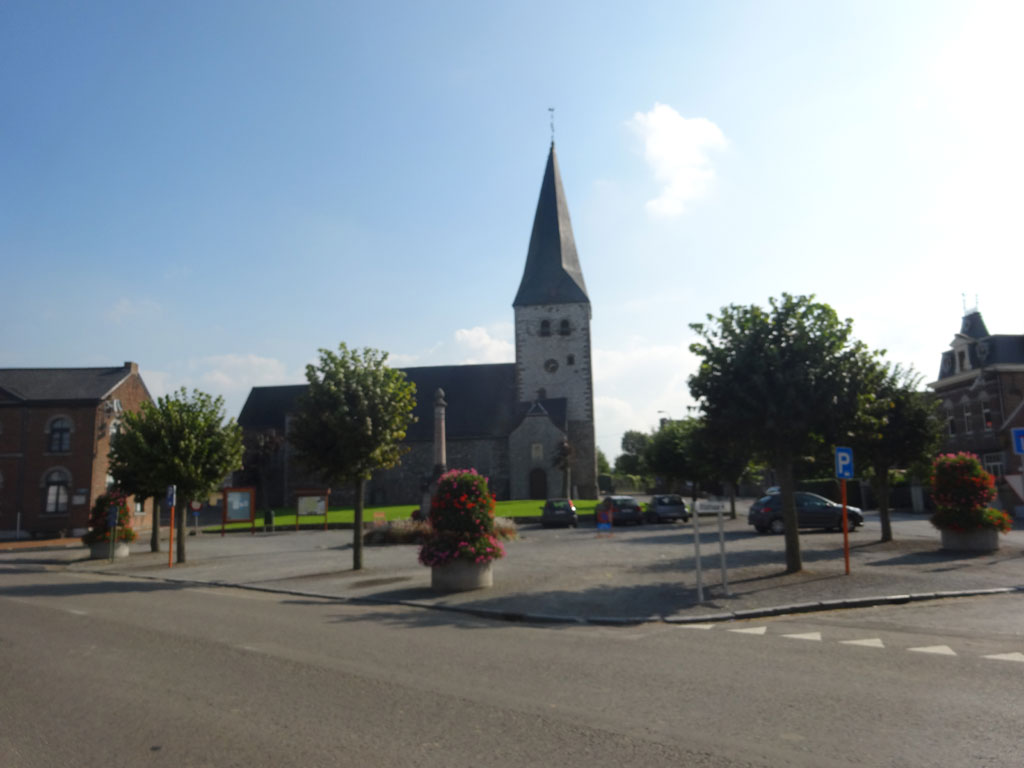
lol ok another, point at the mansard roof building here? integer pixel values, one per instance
(506, 420)
(981, 387)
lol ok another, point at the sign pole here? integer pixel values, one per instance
(721, 547)
(846, 530)
(696, 553)
(844, 472)
(172, 491)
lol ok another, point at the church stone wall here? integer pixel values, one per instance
(560, 365)
(535, 429)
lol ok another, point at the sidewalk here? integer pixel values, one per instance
(642, 573)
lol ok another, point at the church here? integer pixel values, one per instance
(506, 420)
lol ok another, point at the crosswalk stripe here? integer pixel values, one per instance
(806, 636)
(872, 642)
(1015, 656)
(943, 650)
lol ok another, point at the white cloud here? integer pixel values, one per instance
(676, 148)
(486, 345)
(234, 373)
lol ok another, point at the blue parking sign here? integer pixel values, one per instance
(844, 463)
(1018, 440)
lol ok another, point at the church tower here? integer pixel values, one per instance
(552, 328)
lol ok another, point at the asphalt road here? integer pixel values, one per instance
(101, 671)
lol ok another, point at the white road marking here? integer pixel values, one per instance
(751, 630)
(806, 636)
(873, 642)
(1015, 656)
(696, 626)
(942, 650)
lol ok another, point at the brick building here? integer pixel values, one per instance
(506, 420)
(55, 428)
(981, 387)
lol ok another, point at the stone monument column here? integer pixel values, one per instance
(440, 452)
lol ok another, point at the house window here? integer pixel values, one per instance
(60, 435)
(545, 327)
(537, 451)
(56, 487)
(950, 422)
(570, 360)
(961, 360)
(993, 463)
(986, 417)
(563, 328)
(967, 418)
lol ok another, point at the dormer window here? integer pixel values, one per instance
(563, 328)
(967, 417)
(545, 327)
(961, 360)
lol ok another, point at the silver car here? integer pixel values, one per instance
(667, 507)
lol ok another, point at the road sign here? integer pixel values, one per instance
(196, 506)
(172, 491)
(1018, 440)
(844, 463)
(112, 516)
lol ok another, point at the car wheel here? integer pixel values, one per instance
(777, 526)
(760, 529)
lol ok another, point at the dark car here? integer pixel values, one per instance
(623, 509)
(668, 507)
(559, 512)
(812, 511)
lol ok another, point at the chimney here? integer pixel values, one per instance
(132, 367)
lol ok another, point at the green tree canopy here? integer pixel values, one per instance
(782, 380)
(672, 453)
(603, 467)
(899, 428)
(351, 421)
(180, 440)
(633, 459)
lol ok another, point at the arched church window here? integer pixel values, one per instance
(563, 328)
(56, 485)
(545, 327)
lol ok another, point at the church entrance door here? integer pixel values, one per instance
(538, 484)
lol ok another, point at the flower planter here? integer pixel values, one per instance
(461, 576)
(977, 540)
(100, 550)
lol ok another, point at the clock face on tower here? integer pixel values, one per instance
(551, 365)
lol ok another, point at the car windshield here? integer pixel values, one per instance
(559, 504)
(671, 500)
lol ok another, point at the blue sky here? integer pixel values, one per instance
(217, 189)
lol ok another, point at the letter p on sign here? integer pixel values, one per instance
(844, 463)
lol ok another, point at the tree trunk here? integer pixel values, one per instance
(357, 527)
(180, 515)
(154, 536)
(882, 491)
(787, 487)
(732, 499)
(566, 484)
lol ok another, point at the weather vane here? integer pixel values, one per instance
(552, 111)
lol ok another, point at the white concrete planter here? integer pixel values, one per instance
(101, 550)
(461, 576)
(977, 540)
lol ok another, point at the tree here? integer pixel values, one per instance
(351, 421)
(632, 460)
(563, 462)
(135, 467)
(603, 467)
(899, 428)
(784, 381)
(671, 451)
(181, 440)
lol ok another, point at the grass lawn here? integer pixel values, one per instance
(285, 517)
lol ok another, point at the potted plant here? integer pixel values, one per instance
(962, 490)
(461, 545)
(99, 533)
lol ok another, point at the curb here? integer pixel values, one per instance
(790, 609)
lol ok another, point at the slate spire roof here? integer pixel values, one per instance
(552, 274)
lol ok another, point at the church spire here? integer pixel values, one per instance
(552, 274)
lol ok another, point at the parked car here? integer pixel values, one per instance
(812, 511)
(559, 512)
(669, 507)
(624, 509)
